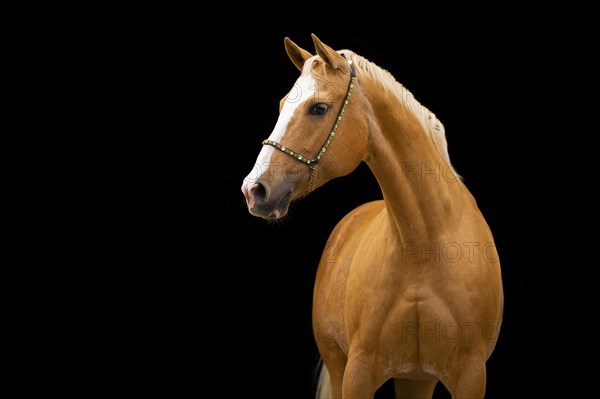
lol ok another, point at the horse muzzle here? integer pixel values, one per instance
(266, 202)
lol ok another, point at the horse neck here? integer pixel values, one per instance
(423, 195)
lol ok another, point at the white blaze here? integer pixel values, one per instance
(303, 89)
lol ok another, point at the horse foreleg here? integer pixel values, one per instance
(334, 365)
(468, 382)
(360, 379)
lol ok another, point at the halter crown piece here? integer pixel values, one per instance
(313, 163)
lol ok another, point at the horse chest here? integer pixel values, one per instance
(370, 304)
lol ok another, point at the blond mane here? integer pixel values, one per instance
(432, 126)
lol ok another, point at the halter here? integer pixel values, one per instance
(313, 163)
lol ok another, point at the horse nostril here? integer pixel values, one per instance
(259, 192)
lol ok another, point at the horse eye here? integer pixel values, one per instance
(319, 109)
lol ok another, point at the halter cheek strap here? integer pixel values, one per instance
(313, 163)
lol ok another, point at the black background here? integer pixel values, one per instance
(222, 290)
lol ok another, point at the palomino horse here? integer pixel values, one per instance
(413, 291)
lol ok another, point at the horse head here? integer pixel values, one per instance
(321, 132)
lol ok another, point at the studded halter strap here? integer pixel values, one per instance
(313, 163)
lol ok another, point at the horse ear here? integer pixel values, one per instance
(329, 55)
(297, 55)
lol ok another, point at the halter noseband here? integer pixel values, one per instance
(313, 163)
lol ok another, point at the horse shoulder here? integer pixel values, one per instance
(332, 274)
(343, 239)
